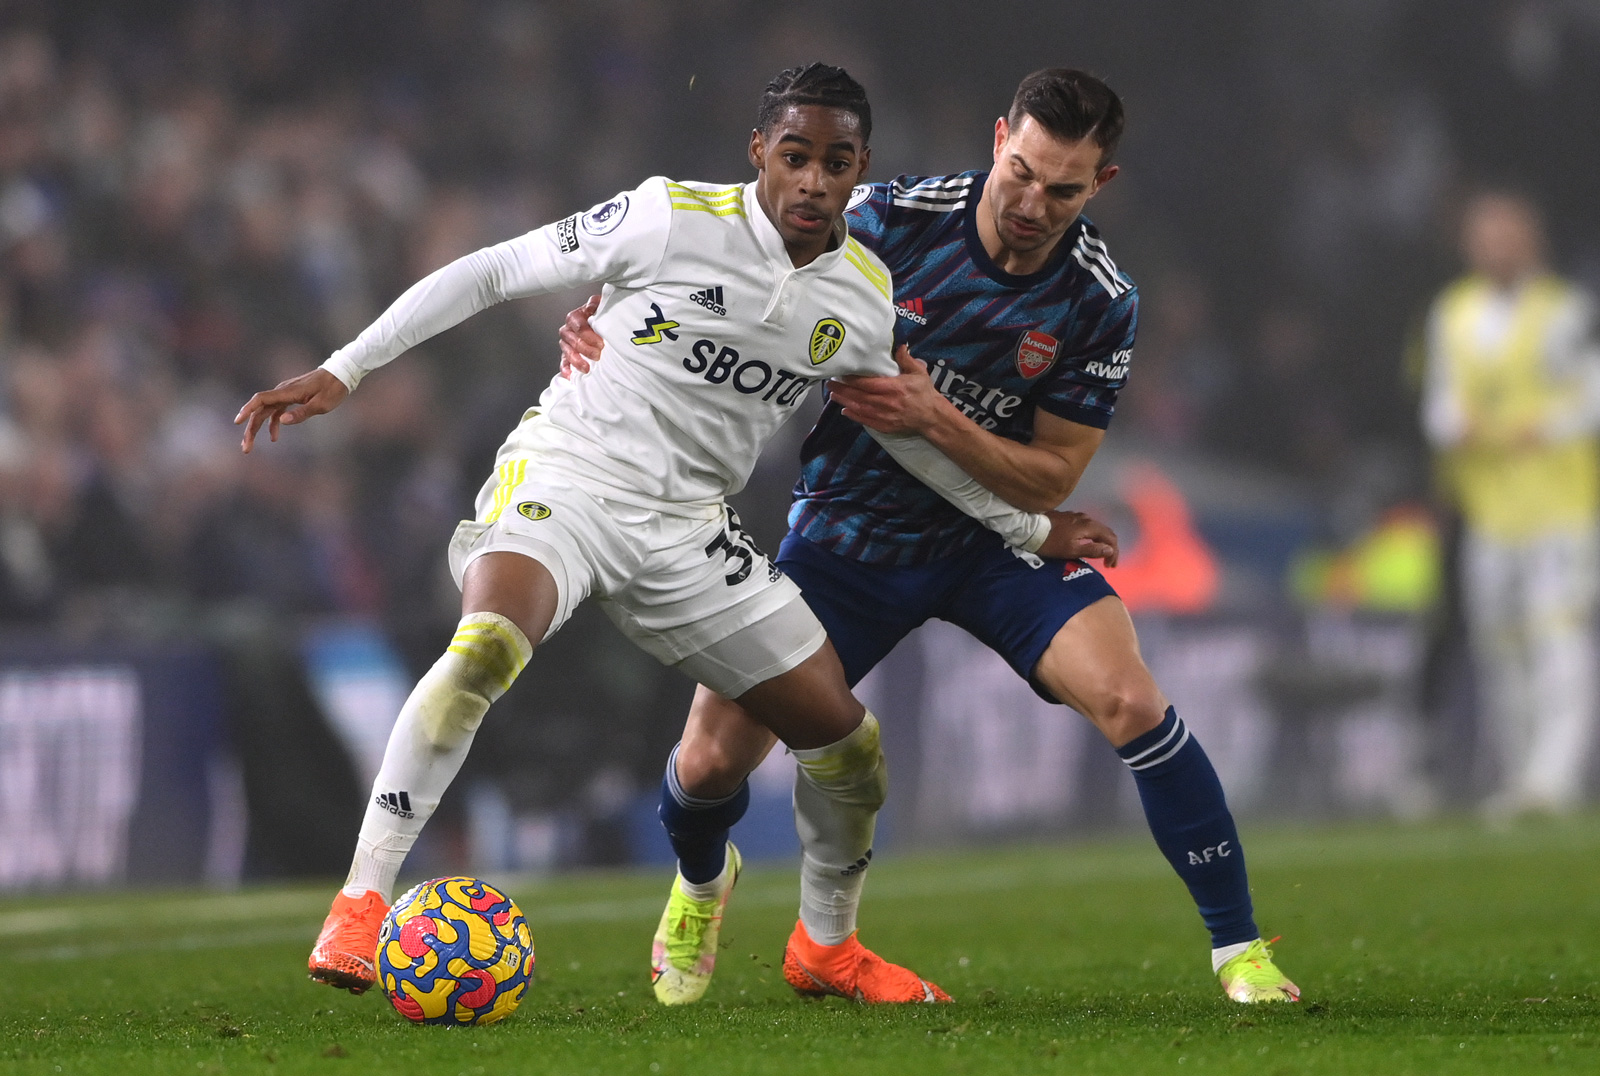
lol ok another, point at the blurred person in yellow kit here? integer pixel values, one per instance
(1511, 403)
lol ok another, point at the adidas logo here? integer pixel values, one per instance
(396, 803)
(859, 865)
(911, 310)
(711, 299)
(1076, 573)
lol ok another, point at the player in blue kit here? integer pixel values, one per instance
(1026, 326)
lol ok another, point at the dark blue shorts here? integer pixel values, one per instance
(1013, 609)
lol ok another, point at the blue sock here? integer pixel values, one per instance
(1189, 818)
(697, 828)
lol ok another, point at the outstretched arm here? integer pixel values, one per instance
(628, 249)
(439, 301)
(433, 304)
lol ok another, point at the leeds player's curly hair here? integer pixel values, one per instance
(1071, 105)
(814, 84)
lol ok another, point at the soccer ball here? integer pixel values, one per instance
(455, 951)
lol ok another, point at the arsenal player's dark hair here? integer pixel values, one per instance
(814, 84)
(1072, 105)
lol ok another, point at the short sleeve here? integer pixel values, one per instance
(1084, 385)
(867, 215)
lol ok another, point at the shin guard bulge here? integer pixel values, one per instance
(838, 790)
(1189, 818)
(430, 740)
(697, 827)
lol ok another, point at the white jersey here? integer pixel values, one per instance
(712, 339)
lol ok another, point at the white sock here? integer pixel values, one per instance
(837, 792)
(377, 864)
(429, 742)
(704, 891)
(1222, 954)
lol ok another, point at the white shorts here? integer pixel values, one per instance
(693, 593)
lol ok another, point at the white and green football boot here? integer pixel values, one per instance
(685, 949)
(1251, 977)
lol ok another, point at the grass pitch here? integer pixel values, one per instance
(1438, 949)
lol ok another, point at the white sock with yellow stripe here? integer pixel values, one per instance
(837, 792)
(429, 741)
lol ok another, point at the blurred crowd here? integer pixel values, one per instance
(199, 198)
(204, 198)
(179, 230)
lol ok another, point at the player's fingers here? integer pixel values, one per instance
(860, 407)
(866, 416)
(272, 427)
(908, 362)
(256, 418)
(251, 406)
(277, 398)
(842, 390)
(1089, 549)
(863, 385)
(578, 321)
(1103, 534)
(572, 357)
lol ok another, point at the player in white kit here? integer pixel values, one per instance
(730, 302)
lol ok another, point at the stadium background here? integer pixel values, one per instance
(201, 652)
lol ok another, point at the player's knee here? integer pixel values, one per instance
(875, 789)
(482, 661)
(852, 770)
(1126, 711)
(708, 770)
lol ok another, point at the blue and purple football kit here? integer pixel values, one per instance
(876, 553)
(1000, 347)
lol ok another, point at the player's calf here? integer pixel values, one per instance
(426, 747)
(838, 790)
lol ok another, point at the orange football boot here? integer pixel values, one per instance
(346, 952)
(851, 970)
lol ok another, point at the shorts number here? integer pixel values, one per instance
(735, 545)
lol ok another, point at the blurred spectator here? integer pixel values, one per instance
(1288, 404)
(1512, 404)
(204, 196)
(1184, 367)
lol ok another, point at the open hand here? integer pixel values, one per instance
(907, 403)
(293, 401)
(580, 344)
(1075, 536)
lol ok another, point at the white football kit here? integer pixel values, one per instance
(615, 481)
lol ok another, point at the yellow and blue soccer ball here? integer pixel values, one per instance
(455, 951)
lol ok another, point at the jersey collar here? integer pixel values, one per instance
(980, 257)
(771, 243)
